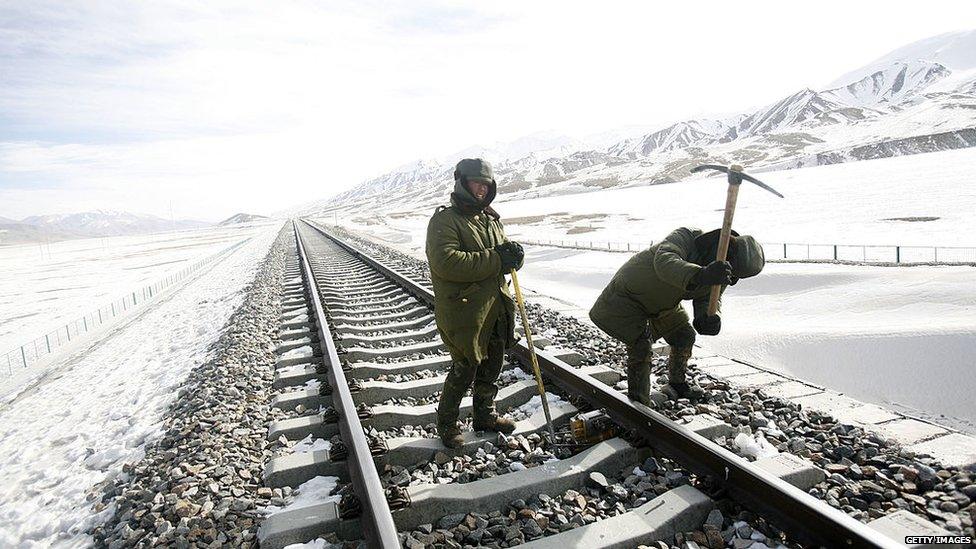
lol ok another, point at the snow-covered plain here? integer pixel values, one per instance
(44, 285)
(902, 336)
(76, 428)
(852, 203)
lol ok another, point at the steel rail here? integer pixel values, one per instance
(802, 516)
(379, 529)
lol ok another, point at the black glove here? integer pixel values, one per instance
(511, 254)
(715, 273)
(519, 253)
(708, 325)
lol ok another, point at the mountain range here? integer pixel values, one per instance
(241, 218)
(918, 98)
(97, 223)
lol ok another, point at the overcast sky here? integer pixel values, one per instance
(210, 108)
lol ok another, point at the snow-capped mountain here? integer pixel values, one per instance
(88, 224)
(673, 137)
(802, 106)
(605, 139)
(540, 144)
(920, 98)
(956, 51)
(890, 84)
(241, 218)
(967, 87)
(14, 232)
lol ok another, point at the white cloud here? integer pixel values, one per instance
(227, 106)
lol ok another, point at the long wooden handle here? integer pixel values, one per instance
(535, 360)
(723, 244)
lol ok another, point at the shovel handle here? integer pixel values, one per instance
(723, 243)
(535, 360)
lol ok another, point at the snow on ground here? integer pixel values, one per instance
(314, 491)
(317, 543)
(80, 425)
(308, 444)
(44, 285)
(755, 446)
(903, 337)
(300, 352)
(534, 405)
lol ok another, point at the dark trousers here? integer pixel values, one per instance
(681, 340)
(482, 376)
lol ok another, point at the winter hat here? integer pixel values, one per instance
(748, 258)
(474, 168)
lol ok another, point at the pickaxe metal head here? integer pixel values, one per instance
(736, 175)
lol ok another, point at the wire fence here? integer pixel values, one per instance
(591, 245)
(872, 253)
(868, 253)
(40, 348)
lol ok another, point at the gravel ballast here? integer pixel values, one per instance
(199, 485)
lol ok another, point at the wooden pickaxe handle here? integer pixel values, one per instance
(723, 243)
(520, 301)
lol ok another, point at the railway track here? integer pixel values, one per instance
(361, 366)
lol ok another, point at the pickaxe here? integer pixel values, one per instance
(736, 175)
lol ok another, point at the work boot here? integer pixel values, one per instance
(451, 436)
(495, 424)
(678, 386)
(639, 383)
(639, 370)
(678, 364)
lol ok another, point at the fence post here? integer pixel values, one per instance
(134, 298)
(609, 244)
(85, 320)
(113, 309)
(835, 252)
(67, 330)
(784, 251)
(808, 251)
(897, 254)
(864, 253)
(47, 339)
(936, 249)
(23, 355)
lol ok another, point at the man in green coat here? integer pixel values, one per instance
(469, 256)
(642, 303)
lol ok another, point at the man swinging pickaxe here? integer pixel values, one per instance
(642, 303)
